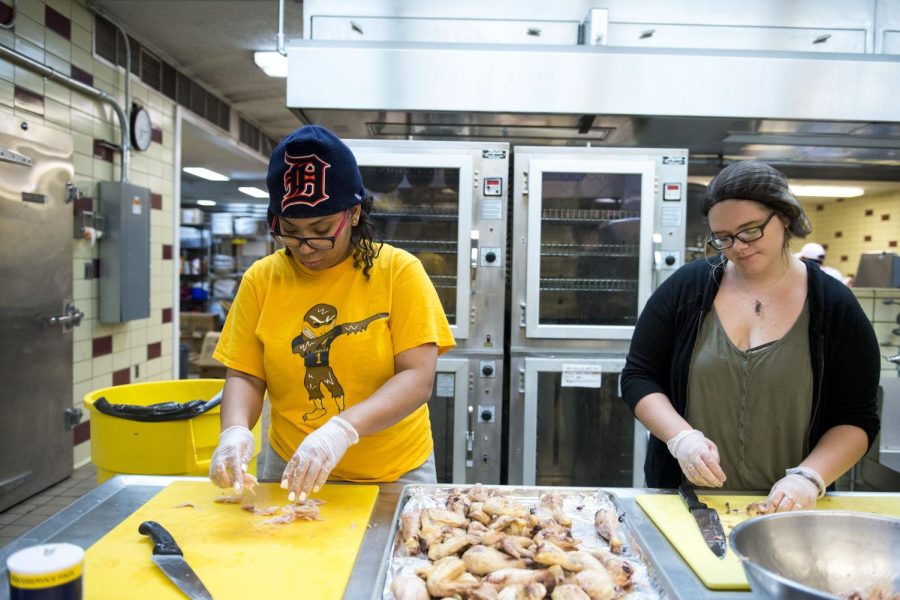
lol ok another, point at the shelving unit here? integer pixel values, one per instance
(193, 266)
(231, 255)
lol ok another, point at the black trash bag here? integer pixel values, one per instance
(162, 411)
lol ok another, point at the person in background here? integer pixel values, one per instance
(753, 370)
(342, 331)
(816, 253)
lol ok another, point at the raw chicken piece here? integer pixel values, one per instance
(407, 587)
(485, 591)
(304, 511)
(596, 583)
(569, 591)
(759, 508)
(459, 504)
(619, 569)
(445, 517)
(250, 484)
(481, 560)
(519, 591)
(265, 512)
(558, 537)
(448, 577)
(549, 577)
(550, 554)
(517, 546)
(476, 512)
(409, 531)
(281, 520)
(449, 547)
(503, 506)
(229, 499)
(554, 502)
(606, 522)
(478, 493)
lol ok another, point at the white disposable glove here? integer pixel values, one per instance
(231, 457)
(317, 455)
(798, 490)
(698, 458)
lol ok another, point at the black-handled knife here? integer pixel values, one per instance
(168, 557)
(707, 518)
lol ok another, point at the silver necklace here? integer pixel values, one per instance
(757, 304)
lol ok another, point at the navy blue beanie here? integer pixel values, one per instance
(312, 173)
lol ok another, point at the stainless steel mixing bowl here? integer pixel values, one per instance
(818, 554)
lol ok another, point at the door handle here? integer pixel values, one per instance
(71, 318)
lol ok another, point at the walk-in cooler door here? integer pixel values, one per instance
(589, 224)
(575, 428)
(423, 204)
(448, 408)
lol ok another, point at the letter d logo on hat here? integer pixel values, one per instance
(312, 173)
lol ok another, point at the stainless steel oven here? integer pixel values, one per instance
(595, 231)
(446, 203)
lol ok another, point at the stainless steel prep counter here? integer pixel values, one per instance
(91, 517)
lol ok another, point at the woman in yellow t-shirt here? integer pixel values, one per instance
(341, 330)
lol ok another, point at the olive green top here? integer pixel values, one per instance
(755, 404)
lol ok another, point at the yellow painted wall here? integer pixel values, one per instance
(853, 226)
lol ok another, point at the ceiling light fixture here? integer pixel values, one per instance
(206, 202)
(205, 173)
(827, 191)
(254, 191)
(272, 63)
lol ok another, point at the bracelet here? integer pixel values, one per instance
(809, 475)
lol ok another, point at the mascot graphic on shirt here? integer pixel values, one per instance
(314, 345)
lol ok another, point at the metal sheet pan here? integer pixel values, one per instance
(579, 503)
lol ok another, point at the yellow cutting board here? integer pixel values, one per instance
(671, 516)
(232, 552)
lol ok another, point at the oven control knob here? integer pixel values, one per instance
(670, 260)
(486, 415)
(490, 256)
(487, 370)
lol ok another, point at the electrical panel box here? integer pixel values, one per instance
(124, 252)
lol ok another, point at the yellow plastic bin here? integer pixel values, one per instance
(121, 446)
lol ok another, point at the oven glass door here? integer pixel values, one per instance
(578, 431)
(423, 204)
(448, 410)
(589, 247)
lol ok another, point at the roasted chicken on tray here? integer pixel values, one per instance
(484, 545)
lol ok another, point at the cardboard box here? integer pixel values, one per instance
(195, 325)
(207, 366)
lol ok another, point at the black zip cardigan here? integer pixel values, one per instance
(842, 346)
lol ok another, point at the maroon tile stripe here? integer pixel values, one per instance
(58, 22)
(156, 134)
(156, 201)
(81, 75)
(122, 376)
(82, 433)
(167, 251)
(102, 151)
(154, 350)
(167, 315)
(25, 99)
(101, 346)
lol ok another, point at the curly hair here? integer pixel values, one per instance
(365, 239)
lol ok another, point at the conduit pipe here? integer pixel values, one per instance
(82, 88)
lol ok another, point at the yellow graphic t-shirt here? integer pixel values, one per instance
(325, 340)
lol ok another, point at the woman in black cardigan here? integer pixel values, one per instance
(753, 370)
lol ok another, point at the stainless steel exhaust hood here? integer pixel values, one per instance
(391, 69)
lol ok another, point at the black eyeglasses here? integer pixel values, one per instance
(751, 234)
(316, 243)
